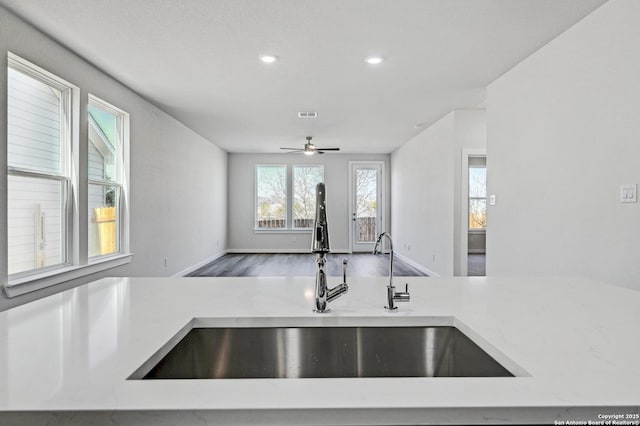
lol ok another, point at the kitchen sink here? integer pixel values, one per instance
(321, 352)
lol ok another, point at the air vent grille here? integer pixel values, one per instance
(307, 114)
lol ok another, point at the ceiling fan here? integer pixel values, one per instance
(310, 149)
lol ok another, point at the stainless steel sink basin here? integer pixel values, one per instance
(324, 352)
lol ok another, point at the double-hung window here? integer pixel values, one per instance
(44, 170)
(106, 176)
(271, 197)
(39, 181)
(286, 196)
(477, 193)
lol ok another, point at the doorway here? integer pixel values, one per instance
(474, 213)
(365, 204)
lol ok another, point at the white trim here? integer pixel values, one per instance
(382, 192)
(255, 193)
(26, 67)
(69, 145)
(121, 179)
(198, 265)
(283, 231)
(269, 251)
(46, 279)
(416, 265)
(284, 251)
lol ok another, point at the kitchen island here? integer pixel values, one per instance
(572, 345)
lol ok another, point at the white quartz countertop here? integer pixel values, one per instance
(573, 344)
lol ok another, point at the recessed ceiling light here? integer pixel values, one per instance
(373, 60)
(268, 59)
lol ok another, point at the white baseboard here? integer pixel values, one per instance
(269, 251)
(282, 251)
(415, 265)
(198, 265)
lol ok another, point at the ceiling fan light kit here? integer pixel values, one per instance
(310, 149)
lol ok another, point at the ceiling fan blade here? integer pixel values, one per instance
(293, 149)
(327, 149)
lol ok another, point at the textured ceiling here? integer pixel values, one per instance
(198, 60)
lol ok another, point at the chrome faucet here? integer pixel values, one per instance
(392, 296)
(320, 245)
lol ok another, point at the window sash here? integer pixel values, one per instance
(65, 225)
(103, 228)
(43, 76)
(275, 223)
(62, 91)
(118, 219)
(119, 137)
(293, 197)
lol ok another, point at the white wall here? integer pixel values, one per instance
(422, 186)
(178, 179)
(425, 184)
(470, 135)
(242, 236)
(563, 135)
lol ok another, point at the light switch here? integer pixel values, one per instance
(492, 200)
(629, 193)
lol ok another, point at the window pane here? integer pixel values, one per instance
(103, 144)
(104, 220)
(477, 214)
(271, 196)
(478, 182)
(366, 205)
(34, 130)
(36, 224)
(305, 179)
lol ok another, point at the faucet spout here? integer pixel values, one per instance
(392, 295)
(325, 294)
(320, 245)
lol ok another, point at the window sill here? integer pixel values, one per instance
(38, 281)
(477, 231)
(283, 231)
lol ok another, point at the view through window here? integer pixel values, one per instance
(38, 157)
(271, 197)
(477, 197)
(105, 177)
(286, 196)
(305, 179)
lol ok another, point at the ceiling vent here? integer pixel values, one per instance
(307, 114)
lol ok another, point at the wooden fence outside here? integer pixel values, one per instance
(366, 226)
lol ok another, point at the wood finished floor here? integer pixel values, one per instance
(476, 266)
(291, 265)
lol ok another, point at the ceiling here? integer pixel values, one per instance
(198, 60)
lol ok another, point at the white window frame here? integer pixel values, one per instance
(470, 198)
(255, 199)
(121, 179)
(290, 225)
(77, 263)
(293, 168)
(65, 176)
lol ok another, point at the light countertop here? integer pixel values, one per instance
(573, 345)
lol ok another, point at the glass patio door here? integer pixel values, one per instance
(366, 195)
